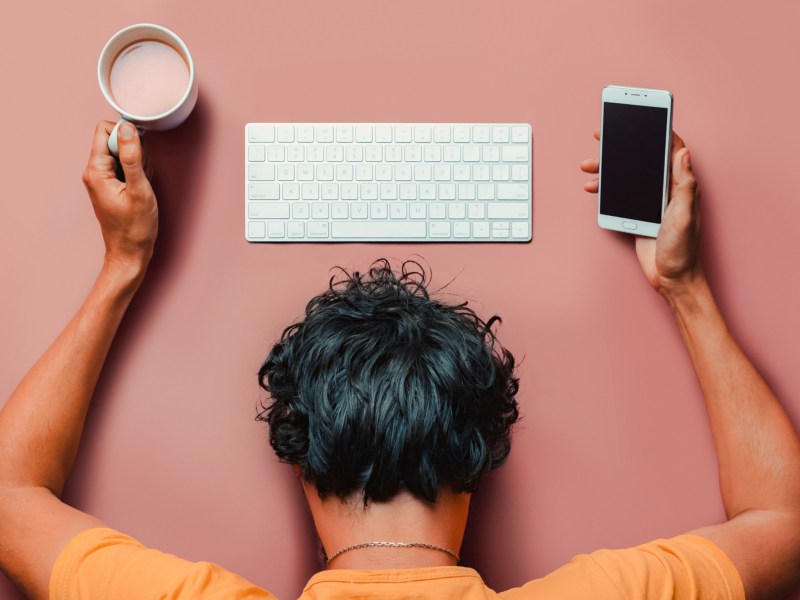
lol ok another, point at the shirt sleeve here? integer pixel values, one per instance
(682, 568)
(98, 564)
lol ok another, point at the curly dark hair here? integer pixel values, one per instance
(382, 388)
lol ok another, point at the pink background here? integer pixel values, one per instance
(614, 448)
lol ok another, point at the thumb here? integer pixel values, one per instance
(130, 155)
(683, 191)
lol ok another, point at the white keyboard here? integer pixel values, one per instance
(394, 182)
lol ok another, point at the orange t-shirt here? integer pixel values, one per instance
(104, 564)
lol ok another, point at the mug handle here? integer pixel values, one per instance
(113, 144)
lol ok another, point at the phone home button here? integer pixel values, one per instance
(629, 225)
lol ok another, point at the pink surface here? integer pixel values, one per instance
(614, 448)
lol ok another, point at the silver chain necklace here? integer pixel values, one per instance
(328, 559)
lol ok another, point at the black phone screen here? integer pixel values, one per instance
(632, 172)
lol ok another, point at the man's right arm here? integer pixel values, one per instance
(758, 448)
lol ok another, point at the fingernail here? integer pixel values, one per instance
(686, 158)
(126, 131)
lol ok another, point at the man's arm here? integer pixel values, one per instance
(757, 446)
(42, 421)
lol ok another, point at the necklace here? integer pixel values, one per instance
(328, 559)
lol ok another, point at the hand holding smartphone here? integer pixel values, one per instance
(635, 143)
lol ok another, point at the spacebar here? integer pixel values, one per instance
(378, 229)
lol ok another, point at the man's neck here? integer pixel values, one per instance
(402, 519)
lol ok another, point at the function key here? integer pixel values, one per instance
(441, 134)
(500, 135)
(422, 134)
(460, 133)
(480, 133)
(344, 133)
(364, 133)
(402, 133)
(261, 133)
(285, 133)
(383, 133)
(519, 134)
(325, 133)
(305, 133)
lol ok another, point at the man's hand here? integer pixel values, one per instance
(127, 212)
(670, 262)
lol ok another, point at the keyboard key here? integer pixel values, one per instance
(476, 210)
(261, 133)
(519, 172)
(461, 229)
(344, 133)
(519, 135)
(423, 172)
(349, 191)
(485, 191)
(315, 154)
(268, 210)
(300, 210)
(412, 153)
(383, 172)
(422, 133)
(319, 210)
(363, 172)
(275, 229)
(295, 153)
(417, 210)
(439, 230)
(500, 134)
(290, 191)
(359, 210)
(369, 191)
(461, 172)
(508, 210)
(481, 172)
(378, 210)
(318, 229)
(324, 172)
(408, 191)
(437, 210)
(442, 173)
(398, 210)
(452, 153)
(466, 191)
(261, 172)
(286, 173)
(256, 153)
(364, 133)
(285, 133)
(383, 133)
(373, 153)
(388, 191)
(295, 229)
(447, 191)
(432, 153)
(402, 133)
(256, 229)
(305, 172)
(354, 153)
(480, 229)
(339, 210)
(379, 229)
(501, 172)
(276, 153)
(334, 153)
(310, 191)
(330, 191)
(305, 133)
(472, 153)
(427, 191)
(441, 134)
(498, 231)
(324, 133)
(481, 134)
(344, 172)
(402, 172)
(515, 153)
(456, 210)
(519, 229)
(512, 191)
(263, 191)
(491, 153)
(461, 133)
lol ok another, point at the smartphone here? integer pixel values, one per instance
(635, 145)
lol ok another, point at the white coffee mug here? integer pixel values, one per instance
(166, 120)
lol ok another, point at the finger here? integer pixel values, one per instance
(100, 141)
(683, 190)
(130, 155)
(591, 186)
(677, 142)
(590, 165)
(597, 134)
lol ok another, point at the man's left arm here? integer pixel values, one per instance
(42, 421)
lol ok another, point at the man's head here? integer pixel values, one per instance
(382, 389)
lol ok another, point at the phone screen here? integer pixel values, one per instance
(632, 173)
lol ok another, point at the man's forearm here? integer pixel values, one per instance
(757, 445)
(42, 421)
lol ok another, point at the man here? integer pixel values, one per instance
(391, 406)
